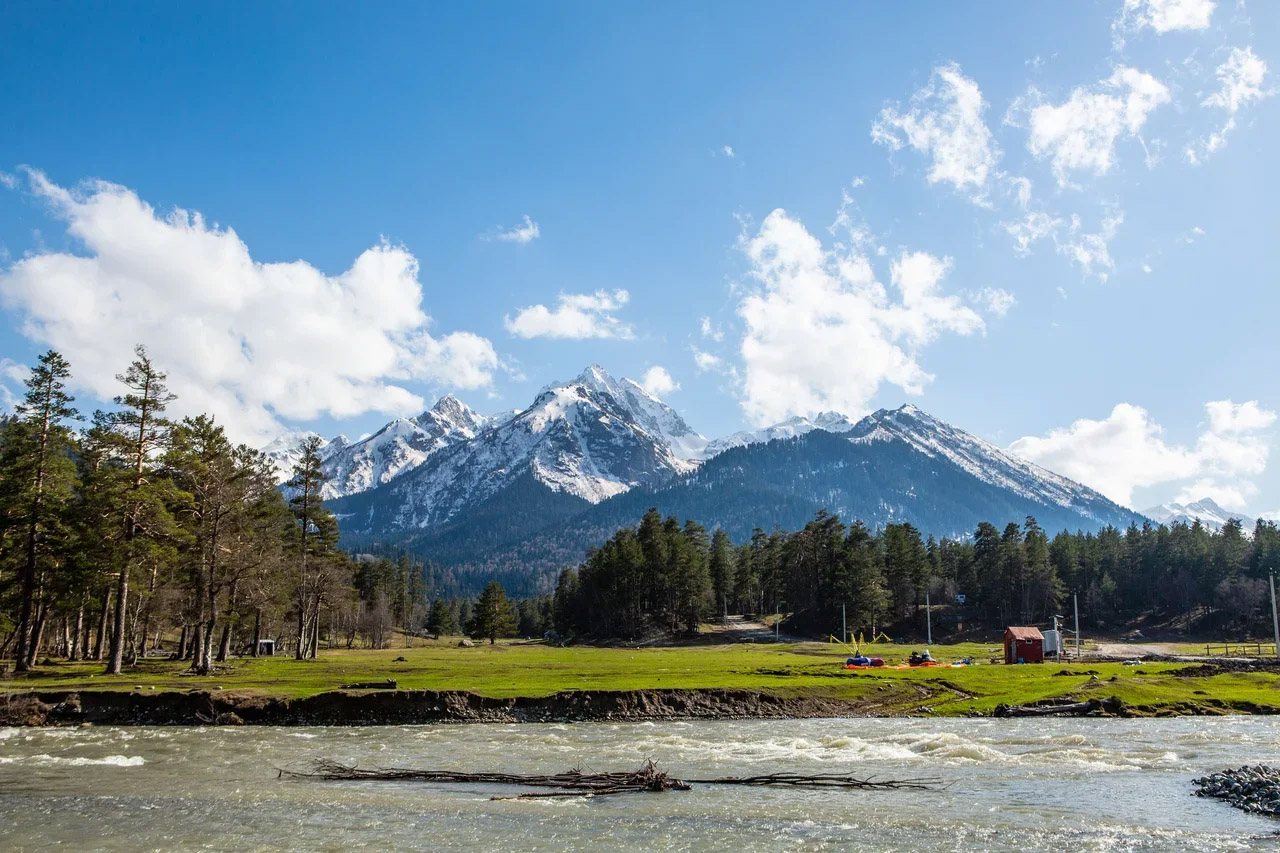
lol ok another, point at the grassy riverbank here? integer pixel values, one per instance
(804, 670)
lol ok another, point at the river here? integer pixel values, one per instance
(1074, 785)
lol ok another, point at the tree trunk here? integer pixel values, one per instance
(37, 635)
(76, 636)
(100, 640)
(224, 647)
(257, 631)
(115, 661)
(182, 643)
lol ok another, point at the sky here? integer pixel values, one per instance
(1052, 225)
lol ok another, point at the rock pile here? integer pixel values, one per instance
(1252, 789)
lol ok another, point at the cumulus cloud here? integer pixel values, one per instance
(944, 122)
(1241, 78)
(1165, 15)
(12, 377)
(249, 341)
(707, 361)
(576, 315)
(1127, 450)
(658, 382)
(526, 232)
(1081, 133)
(822, 333)
(727, 150)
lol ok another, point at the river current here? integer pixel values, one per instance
(1076, 785)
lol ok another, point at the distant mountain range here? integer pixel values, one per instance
(535, 488)
(1209, 513)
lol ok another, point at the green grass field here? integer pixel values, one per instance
(534, 669)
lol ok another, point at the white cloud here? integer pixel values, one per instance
(526, 232)
(1091, 250)
(1166, 15)
(1226, 417)
(1029, 230)
(1080, 134)
(945, 122)
(658, 382)
(248, 341)
(996, 300)
(711, 330)
(576, 315)
(822, 333)
(1241, 76)
(1127, 451)
(707, 361)
(727, 150)
(12, 377)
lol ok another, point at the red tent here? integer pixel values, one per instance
(1023, 645)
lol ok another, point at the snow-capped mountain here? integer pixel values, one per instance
(1210, 514)
(284, 450)
(982, 459)
(591, 438)
(398, 447)
(790, 428)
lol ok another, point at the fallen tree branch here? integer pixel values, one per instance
(575, 783)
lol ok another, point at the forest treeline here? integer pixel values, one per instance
(131, 530)
(129, 533)
(665, 575)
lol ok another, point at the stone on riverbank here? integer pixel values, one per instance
(1253, 789)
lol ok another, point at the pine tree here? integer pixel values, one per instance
(493, 616)
(138, 432)
(312, 549)
(722, 570)
(41, 476)
(441, 621)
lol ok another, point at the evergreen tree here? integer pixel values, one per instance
(313, 548)
(493, 616)
(137, 432)
(441, 621)
(39, 479)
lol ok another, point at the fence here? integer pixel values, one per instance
(1228, 650)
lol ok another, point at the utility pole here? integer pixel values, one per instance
(1275, 620)
(844, 626)
(1075, 603)
(928, 620)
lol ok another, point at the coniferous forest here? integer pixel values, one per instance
(129, 533)
(131, 528)
(665, 575)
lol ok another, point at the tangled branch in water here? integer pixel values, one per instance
(575, 783)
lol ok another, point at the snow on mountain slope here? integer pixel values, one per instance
(592, 437)
(398, 447)
(1210, 514)
(284, 450)
(982, 459)
(790, 428)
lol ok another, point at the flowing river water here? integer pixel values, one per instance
(1075, 785)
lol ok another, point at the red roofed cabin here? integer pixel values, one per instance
(1023, 645)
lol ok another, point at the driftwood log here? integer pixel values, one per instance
(575, 783)
(389, 684)
(1112, 705)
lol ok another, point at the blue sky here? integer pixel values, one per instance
(784, 209)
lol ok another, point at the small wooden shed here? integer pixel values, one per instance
(1023, 645)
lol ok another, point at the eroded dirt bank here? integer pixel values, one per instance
(399, 707)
